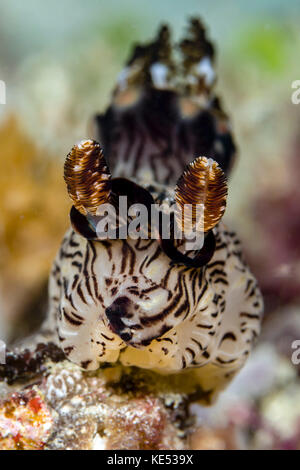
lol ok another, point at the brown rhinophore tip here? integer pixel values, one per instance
(87, 177)
(204, 184)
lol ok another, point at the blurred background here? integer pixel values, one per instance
(59, 61)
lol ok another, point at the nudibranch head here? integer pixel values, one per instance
(136, 301)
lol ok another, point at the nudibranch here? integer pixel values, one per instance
(149, 302)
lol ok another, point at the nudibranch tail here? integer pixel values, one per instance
(151, 64)
(195, 46)
(202, 184)
(87, 177)
(197, 54)
(165, 111)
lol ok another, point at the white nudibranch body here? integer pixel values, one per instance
(111, 305)
(151, 303)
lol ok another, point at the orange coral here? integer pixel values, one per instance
(32, 215)
(25, 422)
